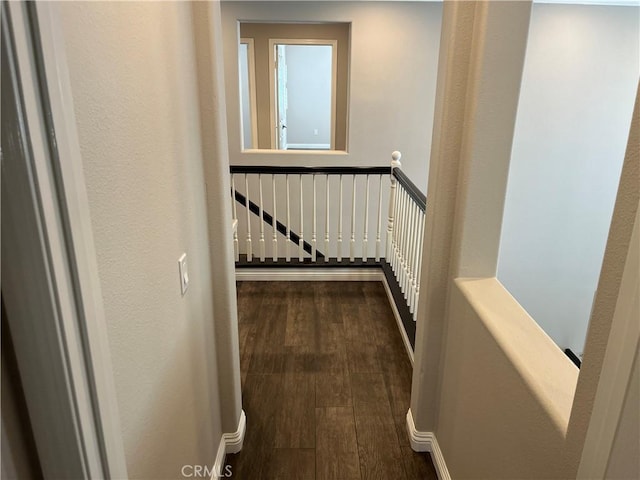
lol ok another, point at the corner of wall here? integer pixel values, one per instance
(211, 92)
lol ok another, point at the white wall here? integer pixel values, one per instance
(134, 82)
(576, 100)
(394, 57)
(309, 94)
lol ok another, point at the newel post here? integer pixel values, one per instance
(395, 163)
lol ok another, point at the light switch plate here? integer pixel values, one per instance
(184, 273)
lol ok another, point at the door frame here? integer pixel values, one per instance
(273, 111)
(253, 107)
(57, 323)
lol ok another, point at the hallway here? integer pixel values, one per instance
(326, 384)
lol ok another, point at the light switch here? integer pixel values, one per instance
(184, 273)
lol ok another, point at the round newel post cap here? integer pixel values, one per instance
(395, 159)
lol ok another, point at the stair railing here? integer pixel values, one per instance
(304, 212)
(405, 230)
(306, 195)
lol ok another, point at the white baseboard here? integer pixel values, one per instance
(308, 146)
(315, 274)
(396, 314)
(427, 442)
(233, 441)
(229, 443)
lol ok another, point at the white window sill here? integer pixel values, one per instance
(550, 375)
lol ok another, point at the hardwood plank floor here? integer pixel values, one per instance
(326, 384)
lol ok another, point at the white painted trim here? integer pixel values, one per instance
(603, 3)
(229, 443)
(273, 120)
(315, 274)
(251, 69)
(73, 411)
(233, 441)
(80, 241)
(308, 146)
(253, 156)
(396, 314)
(218, 465)
(419, 441)
(427, 442)
(272, 87)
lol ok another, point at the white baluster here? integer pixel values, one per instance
(262, 249)
(407, 239)
(352, 244)
(415, 254)
(405, 250)
(288, 257)
(410, 238)
(313, 229)
(421, 235)
(411, 252)
(395, 222)
(236, 247)
(401, 226)
(366, 223)
(326, 224)
(340, 224)
(406, 233)
(274, 224)
(397, 231)
(249, 249)
(301, 239)
(403, 243)
(379, 218)
(395, 162)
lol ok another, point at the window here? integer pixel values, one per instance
(297, 98)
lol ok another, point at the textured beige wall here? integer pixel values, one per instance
(213, 126)
(501, 397)
(133, 74)
(506, 390)
(507, 407)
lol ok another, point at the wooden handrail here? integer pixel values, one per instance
(294, 170)
(414, 192)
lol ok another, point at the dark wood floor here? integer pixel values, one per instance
(326, 384)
